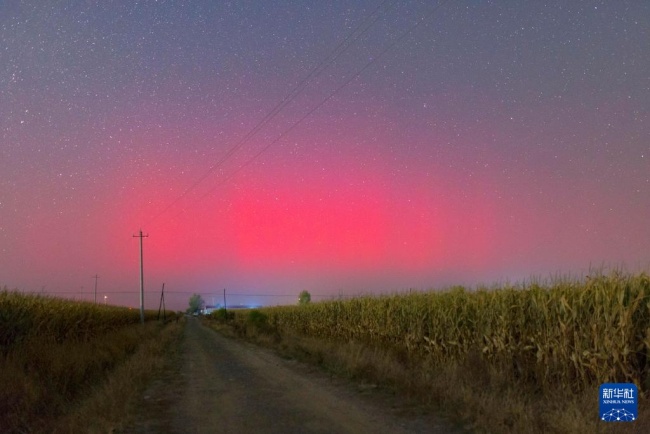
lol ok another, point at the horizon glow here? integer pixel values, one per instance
(495, 143)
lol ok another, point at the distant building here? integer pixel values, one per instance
(208, 309)
(244, 306)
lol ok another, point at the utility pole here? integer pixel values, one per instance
(95, 277)
(225, 308)
(162, 303)
(141, 277)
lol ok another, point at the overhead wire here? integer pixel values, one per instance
(334, 54)
(178, 293)
(330, 96)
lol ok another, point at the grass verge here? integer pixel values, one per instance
(111, 405)
(80, 386)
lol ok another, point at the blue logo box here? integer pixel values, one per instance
(619, 402)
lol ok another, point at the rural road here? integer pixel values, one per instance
(219, 385)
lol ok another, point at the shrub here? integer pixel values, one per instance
(222, 315)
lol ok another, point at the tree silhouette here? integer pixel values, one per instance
(196, 303)
(304, 297)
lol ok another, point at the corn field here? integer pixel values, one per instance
(23, 317)
(574, 333)
(55, 352)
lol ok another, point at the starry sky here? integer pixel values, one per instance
(342, 147)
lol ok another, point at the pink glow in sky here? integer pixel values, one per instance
(496, 141)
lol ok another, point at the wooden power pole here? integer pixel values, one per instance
(162, 303)
(95, 277)
(141, 277)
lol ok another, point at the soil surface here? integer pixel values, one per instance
(218, 385)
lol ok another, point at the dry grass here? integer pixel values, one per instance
(515, 360)
(56, 353)
(110, 406)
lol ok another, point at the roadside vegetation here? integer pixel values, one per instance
(70, 366)
(518, 359)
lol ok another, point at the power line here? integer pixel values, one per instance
(341, 48)
(330, 96)
(203, 293)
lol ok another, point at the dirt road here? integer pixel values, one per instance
(218, 385)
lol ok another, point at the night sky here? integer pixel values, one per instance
(342, 147)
